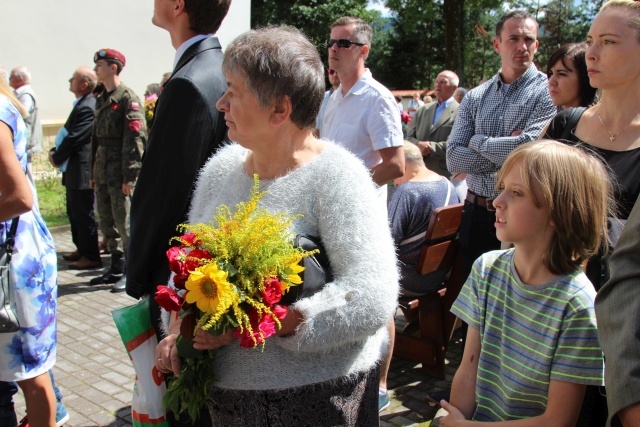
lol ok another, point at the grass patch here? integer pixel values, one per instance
(51, 198)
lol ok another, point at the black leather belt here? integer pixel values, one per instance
(480, 201)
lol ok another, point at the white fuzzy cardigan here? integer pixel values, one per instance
(344, 327)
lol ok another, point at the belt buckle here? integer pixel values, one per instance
(490, 207)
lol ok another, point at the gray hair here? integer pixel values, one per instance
(461, 90)
(411, 152)
(88, 76)
(279, 62)
(362, 33)
(454, 80)
(23, 73)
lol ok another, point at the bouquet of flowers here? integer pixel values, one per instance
(150, 108)
(228, 274)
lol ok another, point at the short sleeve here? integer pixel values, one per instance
(467, 306)
(578, 357)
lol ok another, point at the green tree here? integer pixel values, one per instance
(416, 43)
(563, 21)
(312, 17)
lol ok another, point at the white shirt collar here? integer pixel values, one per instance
(186, 45)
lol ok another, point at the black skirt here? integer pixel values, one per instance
(351, 402)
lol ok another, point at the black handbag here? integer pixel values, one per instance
(8, 319)
(317, 270)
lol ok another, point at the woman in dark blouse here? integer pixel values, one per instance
(610, 128)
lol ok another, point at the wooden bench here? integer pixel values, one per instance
(436, 323)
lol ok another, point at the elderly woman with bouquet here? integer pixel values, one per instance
(320, 367)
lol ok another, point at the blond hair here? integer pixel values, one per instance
(632, 12)
(575, 188)
(6, 91)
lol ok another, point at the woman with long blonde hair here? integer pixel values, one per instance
(27, 355)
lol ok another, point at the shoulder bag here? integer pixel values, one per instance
(317, 270)
(8, 318)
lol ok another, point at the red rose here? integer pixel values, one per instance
(135, 125)
(193, 259)
(115, 107)
(177, 257)
(179, 280)
(272, 292)
(191, 239)
(168, 298)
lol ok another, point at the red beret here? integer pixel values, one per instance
(109, 54)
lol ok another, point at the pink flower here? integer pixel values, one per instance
(280, 311)
(264, 324)
(177, 257)
(272, 292)
(168, 298)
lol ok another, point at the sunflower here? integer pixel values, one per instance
(292, 273)
(209, 289)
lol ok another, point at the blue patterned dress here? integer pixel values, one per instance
(32, 350)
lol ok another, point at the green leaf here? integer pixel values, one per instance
(186, 350)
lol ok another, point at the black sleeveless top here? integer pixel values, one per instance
(623, 165)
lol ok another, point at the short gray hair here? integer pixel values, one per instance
(454, 80)
(88, 76)
(362, 32)
(411, 152)
(280, 62)
(23, 73)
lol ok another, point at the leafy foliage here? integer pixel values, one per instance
(423, 37)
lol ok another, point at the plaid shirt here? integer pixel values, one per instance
(481, 140)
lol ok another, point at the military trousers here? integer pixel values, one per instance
(113, 210)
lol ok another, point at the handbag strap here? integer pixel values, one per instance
(572, 122)
(11, 235)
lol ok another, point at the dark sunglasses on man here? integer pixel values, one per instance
(342, 43)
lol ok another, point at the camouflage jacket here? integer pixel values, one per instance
(119, 136)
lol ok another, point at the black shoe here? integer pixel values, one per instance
(120, 285)
(106, 279)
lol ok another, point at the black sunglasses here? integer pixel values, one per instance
(342, 43)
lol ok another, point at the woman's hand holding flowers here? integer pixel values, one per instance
(167, 359)
(205, 341)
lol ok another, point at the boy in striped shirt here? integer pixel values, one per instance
(532, 345)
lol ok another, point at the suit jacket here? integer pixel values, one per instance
(76, 146)
(421, 128)
(187, 130)
(618, 313)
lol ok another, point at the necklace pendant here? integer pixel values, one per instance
(612, 138)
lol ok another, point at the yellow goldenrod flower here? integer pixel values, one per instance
(209, 289)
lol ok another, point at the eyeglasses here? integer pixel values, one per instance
(342, 43)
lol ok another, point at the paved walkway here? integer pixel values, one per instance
(96, 378)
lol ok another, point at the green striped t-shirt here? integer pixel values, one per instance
(529, 336)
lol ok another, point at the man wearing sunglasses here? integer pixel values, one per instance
(362, 114)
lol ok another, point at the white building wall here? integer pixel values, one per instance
(53, 37)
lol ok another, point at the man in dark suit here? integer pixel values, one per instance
(72, 157)
(433, 122)
(187, 130)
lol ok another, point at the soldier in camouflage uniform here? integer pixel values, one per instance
(117, 144)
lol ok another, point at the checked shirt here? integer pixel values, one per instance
(481, 140)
